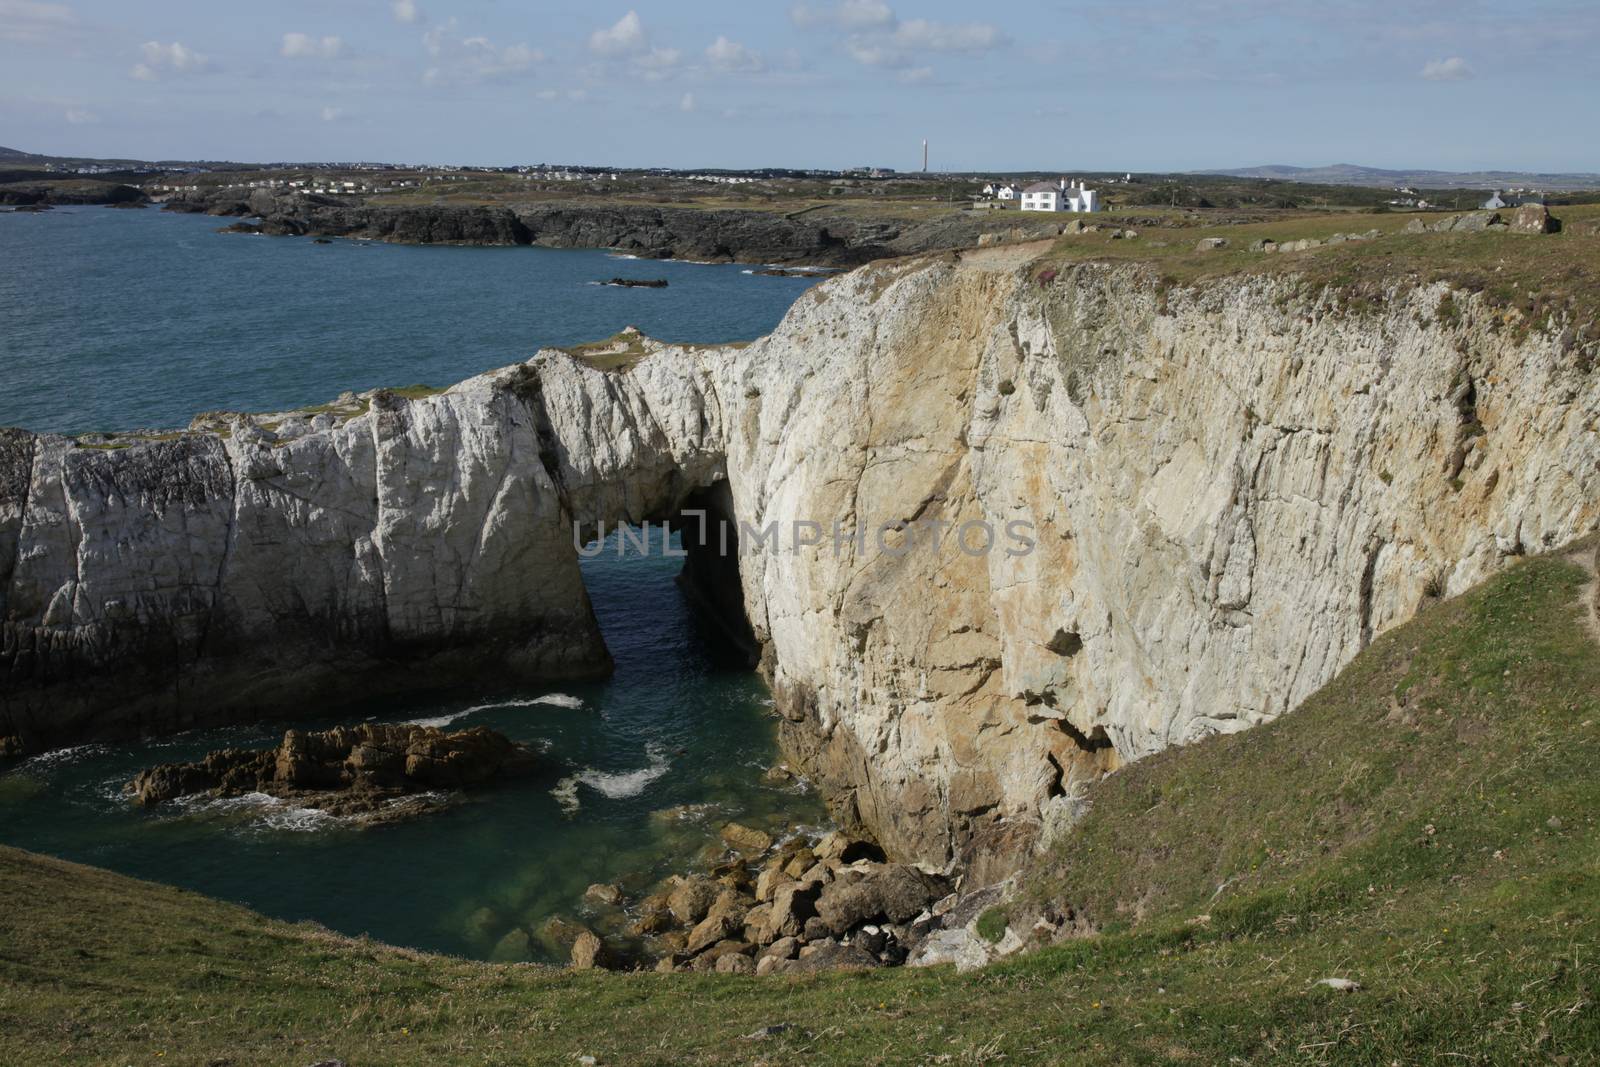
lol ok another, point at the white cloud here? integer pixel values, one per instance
(459, 59)
(1453, 69)
(625, 38)
(726, 55)
(922, 35)
(304, 46)
(406, 11)
(332, 114)
(847, 15)
(874, 35)
(174, 58)
(687, 103)
(627, 43)
(79, 117)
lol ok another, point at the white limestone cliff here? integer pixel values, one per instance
(1232, 488)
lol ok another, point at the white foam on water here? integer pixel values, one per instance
(554, 700)
(60, 757)
(615, 785)
(566, 794)
(267, 812)
(622, 784)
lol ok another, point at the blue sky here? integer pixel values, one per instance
(1119, 84)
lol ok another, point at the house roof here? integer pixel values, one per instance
(1043, 187)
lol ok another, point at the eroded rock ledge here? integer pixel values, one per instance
(368, 774)
(1234, 487)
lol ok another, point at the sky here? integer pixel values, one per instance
(1140, 85)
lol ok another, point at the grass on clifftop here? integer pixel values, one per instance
(1530, 275)
(1425, 826)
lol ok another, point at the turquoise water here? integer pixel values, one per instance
(642, 769)
(120, 320)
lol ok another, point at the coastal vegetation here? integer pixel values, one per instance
(1401, 870)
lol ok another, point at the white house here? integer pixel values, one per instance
(1495, 202)
(1061, 196)
(1006, 192)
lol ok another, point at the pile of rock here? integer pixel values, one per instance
(1269, 245)
(780, 908)
(798, 908)
(1529, 218)
(370, 772)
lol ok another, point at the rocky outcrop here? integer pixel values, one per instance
(369, 773)
(69, 191)
(651, 232)
(1221, 494)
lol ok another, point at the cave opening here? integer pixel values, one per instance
(673, 582)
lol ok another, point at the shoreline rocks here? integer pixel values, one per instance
(777, 908)
(370, 773)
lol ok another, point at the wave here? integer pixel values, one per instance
(624, 784)
(554, 700)
(269, 812)
(614, 785)
(45, 761)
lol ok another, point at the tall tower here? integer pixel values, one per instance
(924, 155)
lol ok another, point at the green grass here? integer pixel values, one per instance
(1527, 277)
(1424, 826)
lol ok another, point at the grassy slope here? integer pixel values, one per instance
(1407, 847)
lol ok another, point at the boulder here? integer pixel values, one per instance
(757, 922)
(589, 952)
(792, 905)
(654, 916)
(829, 955)
(893, 892)
(1476, 222)
(768, 881)
(1534, 218)
(708, 960)
(746, 839)
(514, 947)
(691, 899)
(785, 948)
(709, 931)
(1211, 244)
(799, 863)
(603, 894)
(559, 935)
(735, 963)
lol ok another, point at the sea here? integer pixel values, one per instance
(115, 319)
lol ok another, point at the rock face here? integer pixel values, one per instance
(364, 771)
(1228, 490)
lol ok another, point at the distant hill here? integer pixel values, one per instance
(1352, 174)
(15, 157)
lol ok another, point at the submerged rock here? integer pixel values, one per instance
(371, 772)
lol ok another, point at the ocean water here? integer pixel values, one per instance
(640, 771)
(125, 319)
